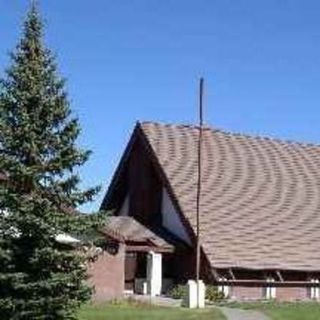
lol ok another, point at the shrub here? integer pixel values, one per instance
(213, 295)
(178, 292)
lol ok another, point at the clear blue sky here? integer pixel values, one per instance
(129, 60)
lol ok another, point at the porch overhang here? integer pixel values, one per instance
(135, 236)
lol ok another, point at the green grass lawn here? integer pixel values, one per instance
(286, 311)
(125, 311)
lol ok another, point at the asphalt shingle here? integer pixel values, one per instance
(260, 202)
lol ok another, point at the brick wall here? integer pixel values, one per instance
(283, 293)
(107, 275)
(246, 293)
(292, 293)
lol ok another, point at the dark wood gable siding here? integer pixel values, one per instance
(118, 196)
(145, 188)
(138, 179)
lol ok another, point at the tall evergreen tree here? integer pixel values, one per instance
(40, 278)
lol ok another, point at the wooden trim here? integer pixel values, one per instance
(145, 248)
(137, 247)
(215, 274)
(266, 269)
(253, 281)
(231, 274)
(279, 275)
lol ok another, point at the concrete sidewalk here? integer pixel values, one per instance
(239, 314)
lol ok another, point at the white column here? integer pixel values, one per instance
(270, 289)
(192, 296)
(154, 273)
(225, 289)
(315, 290)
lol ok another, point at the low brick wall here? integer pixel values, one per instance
(106, 274)
(243, 293)
(292, 293)
(283, 293)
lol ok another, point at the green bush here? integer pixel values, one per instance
(178, 292)
(213, 295)
(181, 291)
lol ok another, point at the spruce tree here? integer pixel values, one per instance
(40, 278)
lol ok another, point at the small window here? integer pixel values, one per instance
(270, 289)
(314, 292)
(225, 289)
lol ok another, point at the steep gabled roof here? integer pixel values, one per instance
(260, 206)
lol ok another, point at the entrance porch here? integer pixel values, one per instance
(148, 255)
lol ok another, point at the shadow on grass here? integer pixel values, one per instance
(136, 310)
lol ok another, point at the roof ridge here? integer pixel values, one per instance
(239, 134)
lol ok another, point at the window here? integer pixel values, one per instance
(314, 289)
(225, 289)
(270, 289)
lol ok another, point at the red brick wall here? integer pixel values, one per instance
(107, 276)
(283, 293)
(247, 293)
(291, 293)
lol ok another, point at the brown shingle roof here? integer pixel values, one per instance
(260, 197)
(128, 229)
